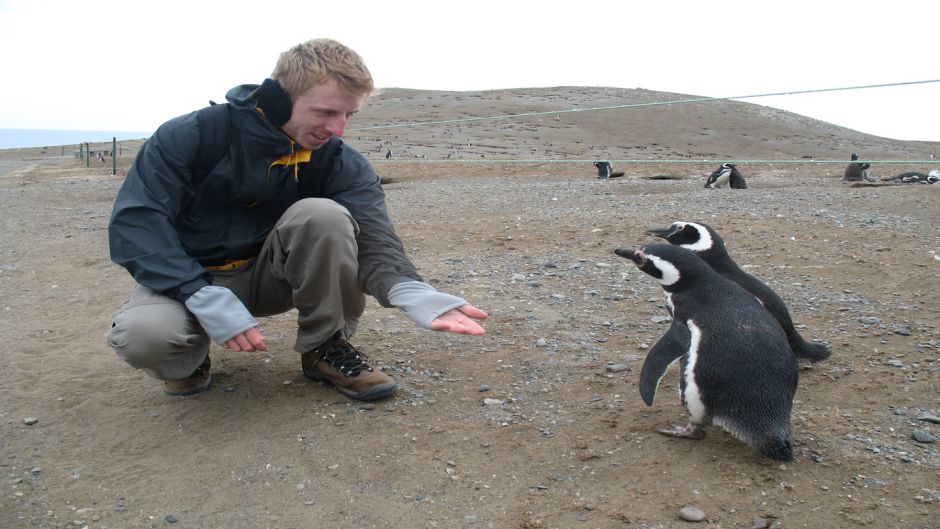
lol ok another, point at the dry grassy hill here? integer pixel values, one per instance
(715, 129)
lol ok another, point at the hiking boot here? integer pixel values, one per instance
(198, 382)
(340, 364)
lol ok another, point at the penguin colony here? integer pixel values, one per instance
(733, 335)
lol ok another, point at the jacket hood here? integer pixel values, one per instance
(269, 96)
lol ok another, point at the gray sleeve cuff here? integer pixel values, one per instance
(220, 312)
(421, 302)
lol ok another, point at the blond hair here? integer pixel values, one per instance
(319, 60)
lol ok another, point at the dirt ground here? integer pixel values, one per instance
(538, 424)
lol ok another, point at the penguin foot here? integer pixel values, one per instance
(689, 431)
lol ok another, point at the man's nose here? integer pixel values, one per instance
(337, 125)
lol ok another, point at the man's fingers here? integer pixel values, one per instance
(473, 312)
(255, 338)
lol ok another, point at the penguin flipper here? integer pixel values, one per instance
(672, 346)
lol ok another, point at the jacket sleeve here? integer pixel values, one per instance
(382, 259)
(141, 232)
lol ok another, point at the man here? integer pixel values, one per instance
(211, 249)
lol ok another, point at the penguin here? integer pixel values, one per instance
(737, 370)
(856, 172)
(913, 177)
(728, 172)
(705, 242)
(605, 171)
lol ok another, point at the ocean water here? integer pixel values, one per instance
(16, 138)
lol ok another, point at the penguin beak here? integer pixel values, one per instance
(662, 233)
(629, 253)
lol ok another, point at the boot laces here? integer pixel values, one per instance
(344, 357)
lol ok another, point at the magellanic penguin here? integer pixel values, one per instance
(914, 177)
(708, 245)
(857, 172)
(605, 170)
(737, 370)
(728, 172)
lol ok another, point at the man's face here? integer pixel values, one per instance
(323, 111)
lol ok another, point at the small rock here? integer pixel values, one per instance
(660, 319)
(492, 402)
(617, 368)
(300, 487)
(691, 514)
(483, 388)
(761, 523)
(30, 420)
(929, 417)
(170, 519)
(308, 503)
(869, 320)
(923, 437)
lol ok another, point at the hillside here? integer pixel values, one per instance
(703, 130)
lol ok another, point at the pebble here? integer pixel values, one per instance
(761, 523)
(869, 320)
(30, 420)
(170, 519)
(923, 437)
(617, 368)
(691, 514)
(483, 388)
(929, 417)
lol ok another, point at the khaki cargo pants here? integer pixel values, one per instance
(308, 262)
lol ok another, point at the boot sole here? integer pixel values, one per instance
(374, 393)
(190, 392)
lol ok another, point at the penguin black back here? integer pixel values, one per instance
(737, 369)
(705, 242)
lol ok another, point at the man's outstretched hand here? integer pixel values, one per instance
(250, 340)
(462, 320)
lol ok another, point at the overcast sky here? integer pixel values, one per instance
(128, 66)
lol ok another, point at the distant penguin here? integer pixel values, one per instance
(728, 172)
(605, 171)
(709, 246)
(913, 177)
(856, 172)
(737, 370)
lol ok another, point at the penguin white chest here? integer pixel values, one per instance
(691, 395)
(722, 179)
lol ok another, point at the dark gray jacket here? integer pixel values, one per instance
(167, 225)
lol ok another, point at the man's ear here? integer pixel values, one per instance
(275, 102)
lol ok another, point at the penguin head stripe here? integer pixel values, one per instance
(704, 241)
(670, 274)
